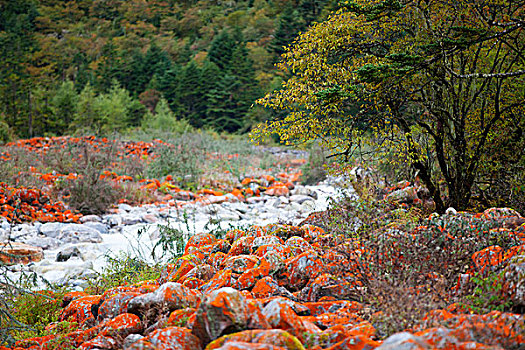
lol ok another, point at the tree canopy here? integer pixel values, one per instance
(441, 83)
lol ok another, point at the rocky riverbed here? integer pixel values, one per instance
(75, 252)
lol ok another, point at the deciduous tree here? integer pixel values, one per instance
(437, 81)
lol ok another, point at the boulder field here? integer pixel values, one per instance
(272, 287)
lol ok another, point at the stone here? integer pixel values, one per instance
(303, 191)
(171, 338)
(125, 207)
(42, 242)
(276, 337)
(300, 269)
(19, 253)
(99, 343)
(405, 195)
(404, 341)
(241, 263)
(68, 253)
(130, 340)
(122, 325)
(75, 233)
(300, 199)
(79, 310)
(171, 295)
(514, 279)
(221, 312)
(90, 218)
(100, 227)
(51, 229)
(113, 305)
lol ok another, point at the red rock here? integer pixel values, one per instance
(275, 337)
(19, 253)
(170, 295)
(265, 287)
(115, 305)
(488, 257)
(283, 251)
(241, 263)
(222, 311)
(72, 296)
(220, 279)
(179, 318)
(99, 343)
(277, 190)
(248, 279)
(242, 246)
(122, 325)
(239, 345)
(302, 268)
(79, 310)
(280, 315)
(298, 245)
(216, 259)
(171, 338)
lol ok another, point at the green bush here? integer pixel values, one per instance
(179, 160)
(314, 170)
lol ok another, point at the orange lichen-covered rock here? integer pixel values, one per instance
(275, 337)
(240, 345)
(199, 240)
(170, 295)
(265, 287)
(302, 268)
(220, 279)
(298, 245)
(122, 325)
(256, 318)
(249, 278)
(514, 279)
(241, 263)
(171, 338)
(278, 190)
(488, 257)
(242, 246)
(403, 340)
(361, 342)
(115, 305)
(79, 310)
(203, 272)
(179, 318)
(99, 343)
(284, 251)
(216, 259)
(280, 315)
(222, 311)
(72, 296)
(19, 253)
(495, 328)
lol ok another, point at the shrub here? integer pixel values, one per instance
(314, 170)
(122, 270)
(180, 161)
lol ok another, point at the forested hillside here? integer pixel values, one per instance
(106, 64)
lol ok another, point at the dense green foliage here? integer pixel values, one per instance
(67, 66)
(437, 84)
